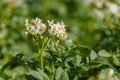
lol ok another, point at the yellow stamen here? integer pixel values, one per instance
(64, 33)
(54, 30)
(61, 35)
(33, 32)
(41, 28)
(59, 28)
(62, 38)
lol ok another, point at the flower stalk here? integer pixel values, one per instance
(53, 71)
(41, 53)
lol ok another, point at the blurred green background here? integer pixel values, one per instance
(92, 23)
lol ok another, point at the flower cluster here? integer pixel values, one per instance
(57, 29)
(36, 26)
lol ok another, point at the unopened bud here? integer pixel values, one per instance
(26, 32)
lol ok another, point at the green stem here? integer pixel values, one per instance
(52, 74)
(41, 61)
(42, 52)
(46, 45)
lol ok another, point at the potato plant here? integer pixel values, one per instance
(59, 40)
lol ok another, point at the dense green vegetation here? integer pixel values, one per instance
(92, 51)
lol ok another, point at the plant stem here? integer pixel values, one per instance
(52, 74)
(41, 61)
(42, 53)
(46, 45)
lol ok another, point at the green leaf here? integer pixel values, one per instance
(103, 53)
(61, 74)
(1, 78)
(5, 66)
(117, 76)
(93, 55)
(116, 58)
(40, 75)
(103, 74)
(85, 67)
(107, 74)
(78, 60)
(76, 77)
(15, 60)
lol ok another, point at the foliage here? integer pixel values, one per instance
(93, 53)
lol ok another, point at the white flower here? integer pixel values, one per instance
(99, 4)
(62, 35)
(35, 26)
(111, 72)
(61, 26)
(113, 8)
(99, 14)
(51, 23)
(57, 29)
(40, 28)
(27, 24)
(29, 27)
(26, 20)
(32, 30)
(53, 30)
(38, 20)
